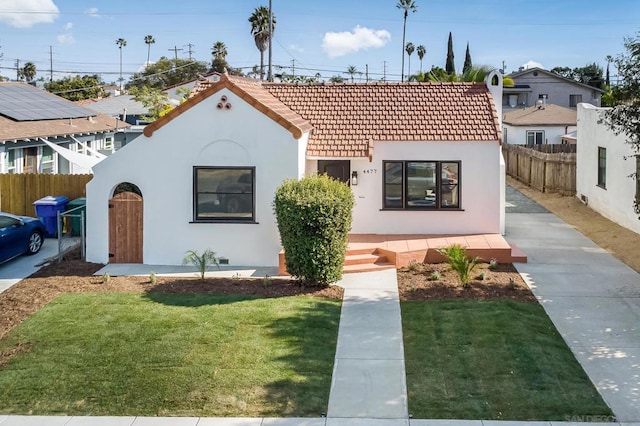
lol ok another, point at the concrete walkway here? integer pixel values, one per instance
(592, 298)
(368, 375)
(15, 270)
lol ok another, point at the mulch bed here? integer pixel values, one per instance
(76, 276)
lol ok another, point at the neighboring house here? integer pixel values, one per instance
(126, 109)
(421, 158)
(606, 169)
(535, 84)
(537, 125)
(44, 133)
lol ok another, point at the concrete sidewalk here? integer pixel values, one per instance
(368, 375)
(17, 269)
(592, 298)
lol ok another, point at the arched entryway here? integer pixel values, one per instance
(125, 224)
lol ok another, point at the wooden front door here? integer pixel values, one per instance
(125, 228)
(337, 169)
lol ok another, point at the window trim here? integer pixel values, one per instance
(194, 190)
(602, 168)
(438, 172)
(534, 132)
(578, 97)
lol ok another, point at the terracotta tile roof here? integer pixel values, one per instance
(252, 92)
(347, 117)
(551, 115)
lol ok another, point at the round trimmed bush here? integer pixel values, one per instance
(314, 218)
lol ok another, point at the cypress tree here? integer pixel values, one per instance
(450, 67)
(467, 61)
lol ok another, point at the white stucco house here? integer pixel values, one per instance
(605, 167)
(538, 125)
(421, 158)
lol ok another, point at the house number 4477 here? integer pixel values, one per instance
(370, 171)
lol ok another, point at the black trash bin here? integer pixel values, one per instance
(47, 209)
(80, 204)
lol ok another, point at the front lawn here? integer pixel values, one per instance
(501, 360)
(171, 354)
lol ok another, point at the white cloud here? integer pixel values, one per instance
(296, 48)
(25, 13)
(340, 44)
(66, 38)
(93, 12)
(532, 64)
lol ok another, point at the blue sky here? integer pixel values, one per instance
(318, 37)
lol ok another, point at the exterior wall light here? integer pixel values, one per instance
(354, 178)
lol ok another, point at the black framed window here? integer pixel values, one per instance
(224, 194)
(421, 185)
(602, 167)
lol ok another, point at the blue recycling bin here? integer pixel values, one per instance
(47, 209)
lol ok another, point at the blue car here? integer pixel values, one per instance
(19, 235)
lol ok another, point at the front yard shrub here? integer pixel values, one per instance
(462, 264)
(314, 218)
(201, 261)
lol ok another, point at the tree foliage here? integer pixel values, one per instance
(168, 72)
(155, 100)
(28, 71)
(406, 6)
(467, 61)
(590, 74)
(314, 218)
(450, 66)
(259, 20)
(625, 117)
(421, 51)
(78, 88)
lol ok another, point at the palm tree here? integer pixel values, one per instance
(352, 70)
(607, 81)
(409, 48)
(29, 71)
(421, 50)
(405, 6)
(219, 51)
(259, 20)
(149, 40)
(121, 43)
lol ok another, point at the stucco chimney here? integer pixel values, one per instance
(493, 80)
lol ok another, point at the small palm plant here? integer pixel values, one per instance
(462, 264)
(202, 261)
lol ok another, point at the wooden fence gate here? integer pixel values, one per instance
(125, 228)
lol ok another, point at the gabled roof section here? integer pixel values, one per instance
(348, 117)
(92, 122)
(517, 74)
(249, 90)
(549, 115)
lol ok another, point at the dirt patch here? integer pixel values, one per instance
(436, 281)
(619, 241)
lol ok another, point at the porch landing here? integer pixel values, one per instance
(370, 252)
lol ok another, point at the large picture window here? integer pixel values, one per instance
(421, 185)
(224, 194)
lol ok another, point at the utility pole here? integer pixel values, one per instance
(384, 70)
(293, 67)
(366, 72)
(190, 51)
(17, 69)
(50, 63)
(175, 51)
(269, 73)
(504, 67)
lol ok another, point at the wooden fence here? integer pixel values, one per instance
(546, 172)
(19, 191)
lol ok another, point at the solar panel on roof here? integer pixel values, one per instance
(22, 102)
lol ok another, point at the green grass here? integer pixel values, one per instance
(498, 360)
(178, 355)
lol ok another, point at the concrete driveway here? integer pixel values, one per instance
(21, 267)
